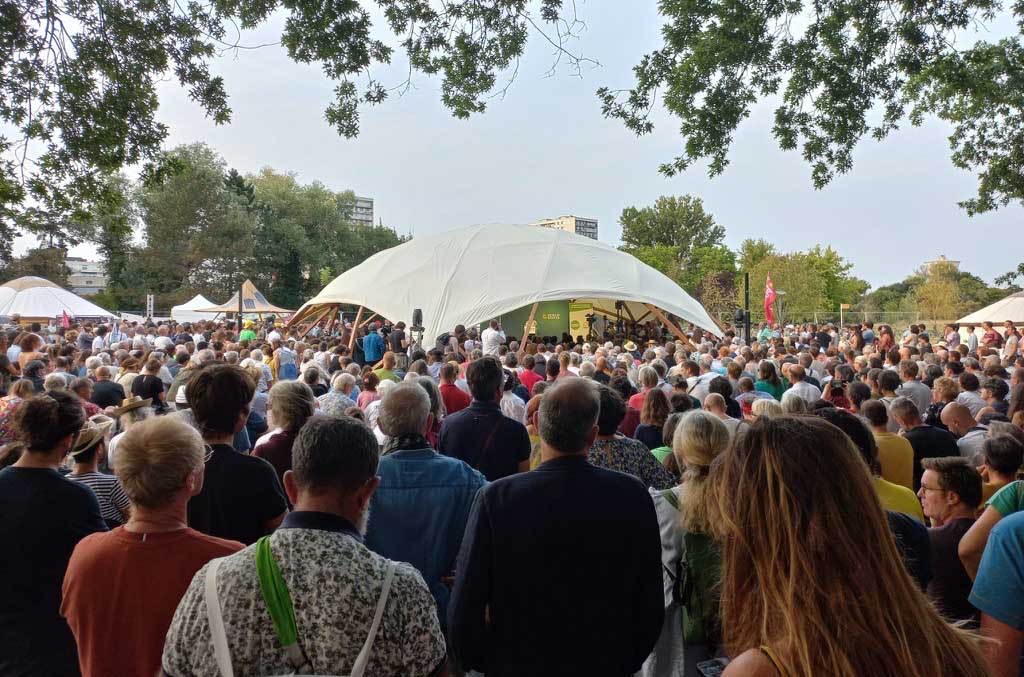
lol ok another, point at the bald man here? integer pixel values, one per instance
(603, 373)
(969, 433)
(559, 622)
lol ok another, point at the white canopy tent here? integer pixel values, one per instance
(1008, 308)
(190, 310)
(473, 274)
(38, 300)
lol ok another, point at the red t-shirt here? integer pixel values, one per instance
(120, 592)
(455, 399)
(528, 378)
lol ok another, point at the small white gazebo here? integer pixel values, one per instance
(190, 310)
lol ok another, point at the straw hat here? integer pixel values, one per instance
(95, 429)
(129, 403)
(629, 346)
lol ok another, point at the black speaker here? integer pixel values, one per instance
(417, 319)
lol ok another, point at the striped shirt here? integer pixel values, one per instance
(109, 493)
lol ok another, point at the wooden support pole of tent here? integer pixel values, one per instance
(641, 318)
(368, 320)
(319, 317)
(609, 313)
(630, 313)
(668, 323)
(526, 327)
(355, 325)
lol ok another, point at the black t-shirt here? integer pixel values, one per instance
(319, 389)
(5, 373)
(42, 517)
(240, 495)
(149, 387)
(929, 442)
(486, 439)
(107, 394)
(912, 542)
(602, 377)
(824, 339)
(395, 339)
(951, 586)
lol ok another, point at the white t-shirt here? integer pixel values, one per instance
(491, 340)
(98, 344)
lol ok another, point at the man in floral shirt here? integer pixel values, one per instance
(334, 581)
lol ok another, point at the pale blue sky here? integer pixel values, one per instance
(545, 150)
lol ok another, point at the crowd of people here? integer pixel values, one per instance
(205, 499)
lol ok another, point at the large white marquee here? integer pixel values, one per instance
(473, 274)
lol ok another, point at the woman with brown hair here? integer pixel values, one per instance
(127, 373)
(30, 344)
(652, 418)
(812, 581)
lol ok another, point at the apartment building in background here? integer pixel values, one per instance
(571, 224)
(86, 277)
(362, 213)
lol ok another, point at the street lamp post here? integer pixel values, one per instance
(778, 301)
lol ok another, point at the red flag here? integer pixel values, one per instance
(769, 301)
(65, 321)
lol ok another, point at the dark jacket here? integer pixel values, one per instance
(486, 439)
(566, 562)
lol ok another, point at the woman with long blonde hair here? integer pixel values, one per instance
(690, 632)
(812, 582)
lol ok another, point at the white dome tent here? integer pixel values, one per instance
(37, 300)
(1007, 308)
(473, 274)
(189, 311)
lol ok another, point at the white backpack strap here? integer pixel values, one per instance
(364, 656)
(216, 620)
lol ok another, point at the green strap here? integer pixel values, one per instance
(275, 594)
(671, 497)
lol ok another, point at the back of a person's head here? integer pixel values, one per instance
(792, 403)
(876, 413)
(156, 458)
(42, 422)
(904, 409)
(217, 394)
(485, 377)
(859, 393)
(647, 377)
(337, 454)
(1003, 454)
(291, 403)
(448, 372)
(958, 476)
(612, 409)
(404, 410)
(888, 380)
(746, 384)
(54, 382)
(720, 385)
(311, 376)
(862, 438)
(713, 402)
(699, 438)
(766, 407)
(796, 485)
(655, 408)
(568, 415)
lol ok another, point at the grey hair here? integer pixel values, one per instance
(103, 371)
(203, 357)
(792, 403)
(436, 402)
(648, 377)
(588, 369)
(404, 410)
(55, 382)
(291, 403)
(93, 363)
(342, 379)
(231, 357)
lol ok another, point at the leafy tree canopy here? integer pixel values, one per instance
(840, 71)
(78, 80)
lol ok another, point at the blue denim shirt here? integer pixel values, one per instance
(418, 513)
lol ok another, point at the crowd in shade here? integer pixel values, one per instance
(206, 499)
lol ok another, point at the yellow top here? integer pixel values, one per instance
(898, 498)
(896, 457)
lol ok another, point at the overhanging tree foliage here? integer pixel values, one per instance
(844, 69)
(78, 80)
